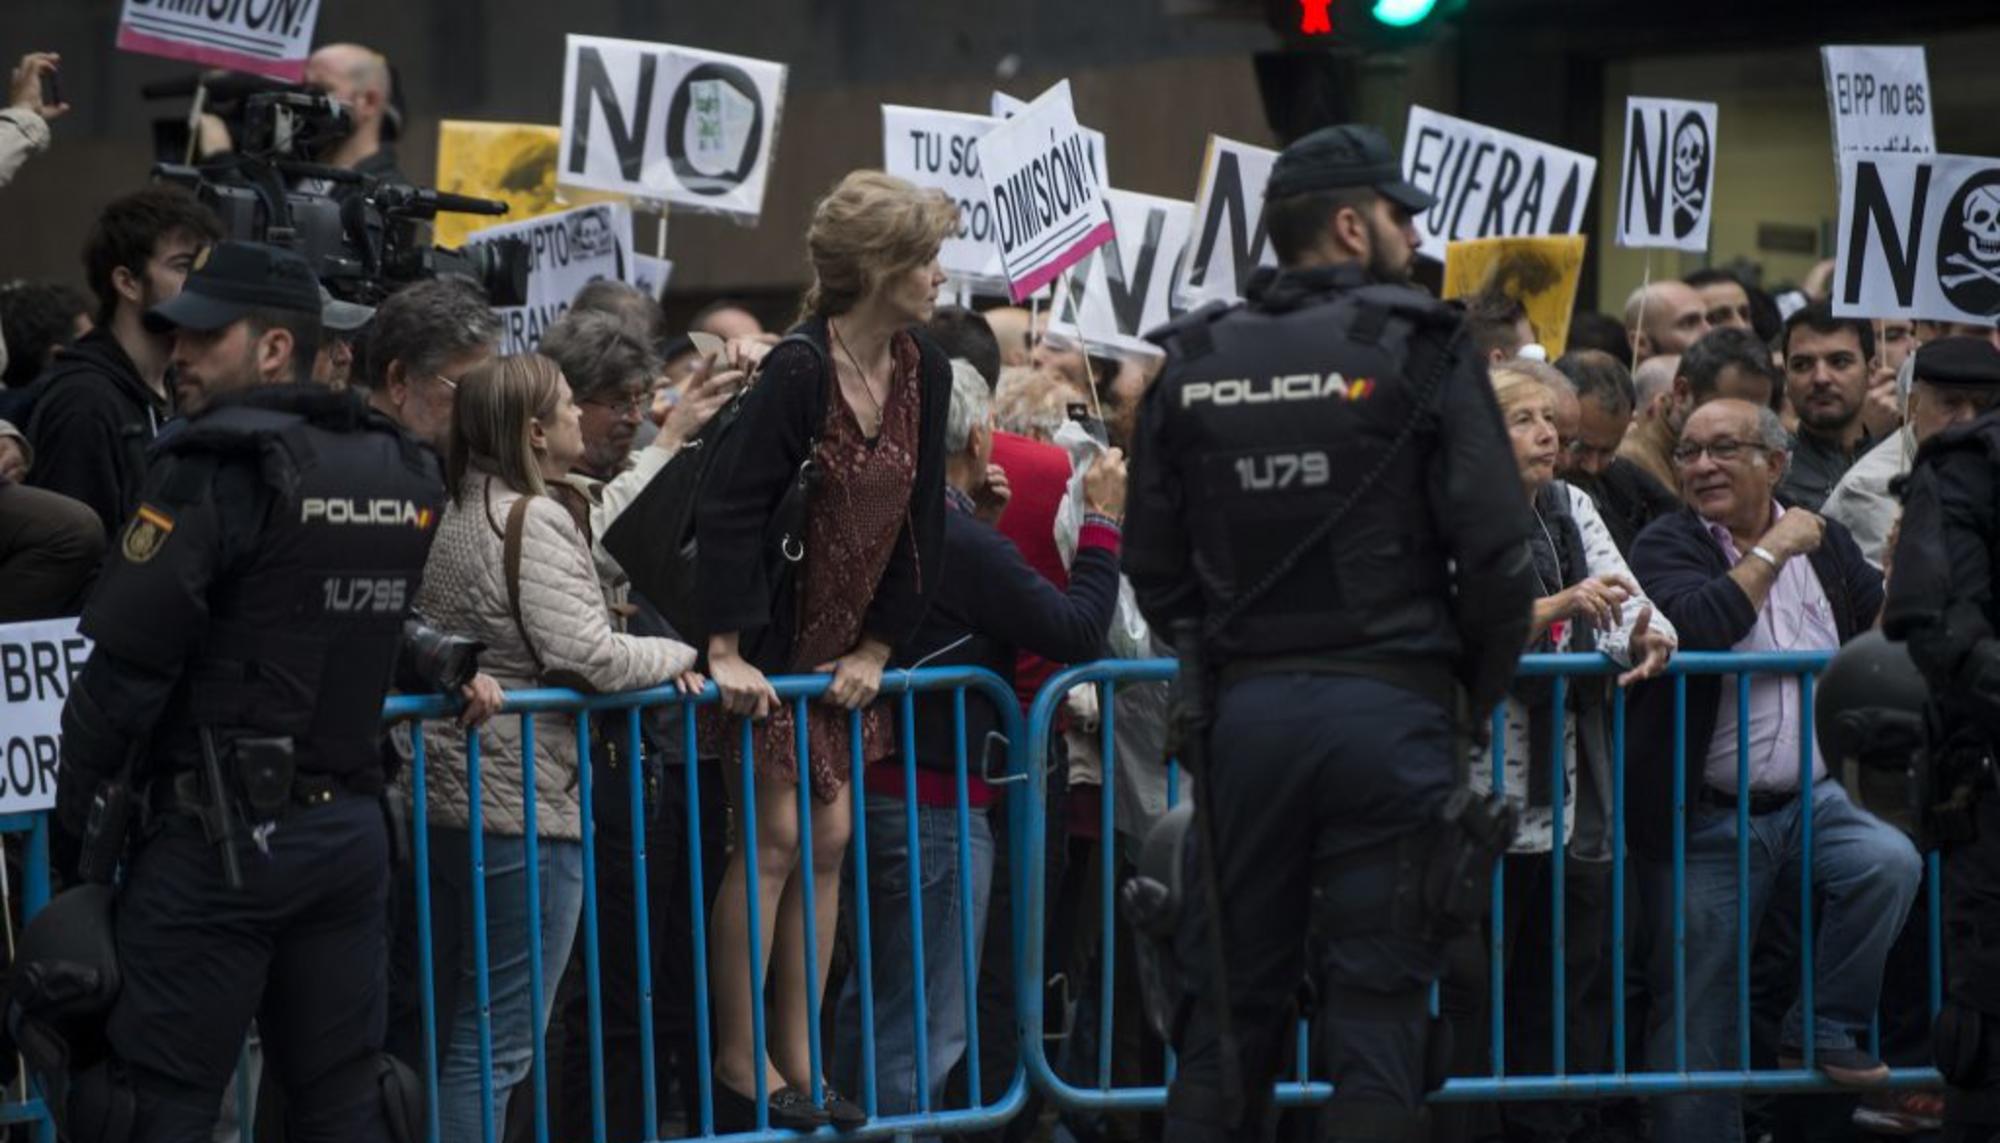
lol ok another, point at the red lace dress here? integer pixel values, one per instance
(859, 511)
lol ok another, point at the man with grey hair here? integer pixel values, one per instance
(359, 78)
(989, 608)
(1626, 496)
(1737, 571)
(424, 339)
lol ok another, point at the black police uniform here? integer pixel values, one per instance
(1334, 740)
(1941, 600)
(256, 599)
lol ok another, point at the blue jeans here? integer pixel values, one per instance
(514, 1019)
(945, 979)
(1865, 875)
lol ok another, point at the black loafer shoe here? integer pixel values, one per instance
(842, 1112)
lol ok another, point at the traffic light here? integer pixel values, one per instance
(1364, 24)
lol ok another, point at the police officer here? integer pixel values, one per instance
(1941, 600)
(246, 630)
(1322, 485)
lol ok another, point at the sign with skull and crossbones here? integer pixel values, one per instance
(1668, 189)
(1919, 237)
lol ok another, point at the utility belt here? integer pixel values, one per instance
(1428, 678)
(261, 783)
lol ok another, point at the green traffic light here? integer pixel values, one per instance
(1403, 13)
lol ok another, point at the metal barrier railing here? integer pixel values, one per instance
(1022, 785)
(1100, 1093)
(898, 687)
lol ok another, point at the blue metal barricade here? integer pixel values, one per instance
(1020, 776)
(1087, 1088)
(900, 690)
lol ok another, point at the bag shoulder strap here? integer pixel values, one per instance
(510, 559)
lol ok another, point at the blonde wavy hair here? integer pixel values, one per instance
(868, 228)
(495, 405)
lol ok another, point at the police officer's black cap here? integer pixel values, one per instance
(1963, 362)
(229, 280)
(1346, 155)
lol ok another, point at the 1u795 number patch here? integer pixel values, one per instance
(364, 594)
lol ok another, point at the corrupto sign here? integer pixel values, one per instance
(38, 664)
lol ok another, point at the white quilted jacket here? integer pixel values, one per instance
(564, 608)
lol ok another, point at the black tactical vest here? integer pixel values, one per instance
(1277, 416)
(302, 637)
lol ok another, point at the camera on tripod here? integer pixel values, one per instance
(364, 237)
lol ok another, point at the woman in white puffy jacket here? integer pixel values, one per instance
(545, 621)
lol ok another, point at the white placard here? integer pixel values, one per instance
(569, 250)
(38, 662)
(1125, 287)
(1229, 243)
(1047, 199)
(650, 275)
(662, 123)
(1005, 106)
(1667, 195)
(272, 38)
(1879, 99)
(936, 149)
(1490, 183)
(1918, 237)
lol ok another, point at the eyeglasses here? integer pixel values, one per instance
(633, 404)
(1721, 452)
(449, 385)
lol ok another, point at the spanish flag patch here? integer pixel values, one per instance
(149, 529)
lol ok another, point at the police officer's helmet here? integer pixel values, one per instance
(1869, 704)
(64, 980)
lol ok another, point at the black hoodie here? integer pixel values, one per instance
(93, 419)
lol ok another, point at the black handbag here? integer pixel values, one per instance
(653, 539)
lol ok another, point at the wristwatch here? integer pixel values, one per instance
(1764, 553)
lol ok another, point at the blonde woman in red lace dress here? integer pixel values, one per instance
(870, 409)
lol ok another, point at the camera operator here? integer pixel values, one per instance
(209, 663)
(423, 339)
(359, 78)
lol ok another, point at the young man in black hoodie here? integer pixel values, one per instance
(95, 410)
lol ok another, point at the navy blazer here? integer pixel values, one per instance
(1686, 575)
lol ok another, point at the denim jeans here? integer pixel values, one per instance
(514, 1019)
(1865, 875)
(945, 979)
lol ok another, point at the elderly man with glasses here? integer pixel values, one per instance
(1735, 570)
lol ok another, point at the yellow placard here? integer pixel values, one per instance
(512, 162)
(1541, 273)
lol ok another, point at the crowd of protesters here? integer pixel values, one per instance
(1712, 470)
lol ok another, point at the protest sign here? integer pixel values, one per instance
(514, 163)
(568, 250)
(650, 275)
(271, 38)
(1125, 287)
(1047, 199)
(1918, 236)
(38, 662)
(935, 149)
(662, 123)
(1668, 190)
(1490, 183)
(1005, 106)
(1879, 99)
(1229, 243)
(1540, 273)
